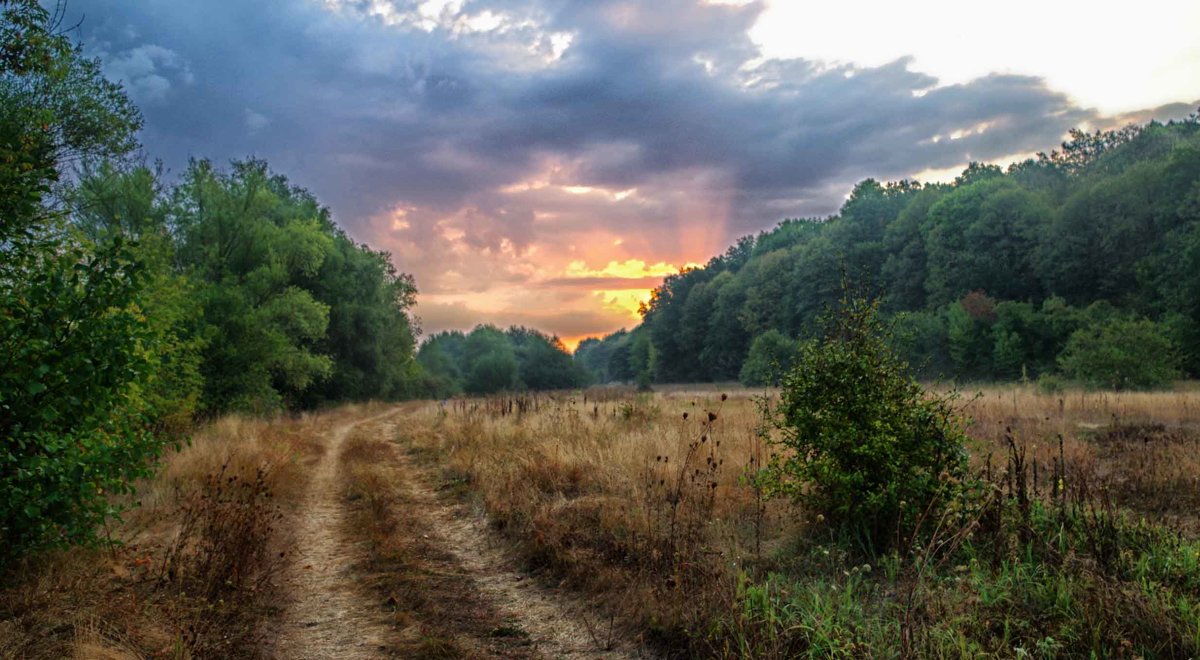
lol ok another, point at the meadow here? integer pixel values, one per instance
(649, 503)
(194, 566)
(607, 522)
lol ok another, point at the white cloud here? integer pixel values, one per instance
(255, 122)
(1110, 57)
(148, 72)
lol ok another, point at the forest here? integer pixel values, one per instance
(489, 360)
(1079, 265)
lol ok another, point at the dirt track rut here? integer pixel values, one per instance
(557, 627)
(329, 616)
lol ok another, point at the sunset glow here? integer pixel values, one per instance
(547, 164)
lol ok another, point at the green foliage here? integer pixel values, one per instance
(76, 364)
(110, 204)
(982, 237)
(490, 360)
(969, 333)
(1055, 594)
(77, 354)
(921, 340)
(543, 362)
(1120, 353)
(1050, 383)
(832, 616)
(861, 442)
(771, 356)
(1112, 216)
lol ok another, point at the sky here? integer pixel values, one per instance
(546, 162)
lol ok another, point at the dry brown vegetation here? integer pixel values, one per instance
(194, 574)
(433, 605)
(648, 503)
(1141, 448)
(645, 505)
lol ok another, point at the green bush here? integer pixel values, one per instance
(861, 442)
(74, 418)
(1120, 354)
(1051, 384)
(771, 355)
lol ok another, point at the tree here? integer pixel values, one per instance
(1120, 353)
(727, 341)
(542, 361)
(76, 350)
(255, 247)
(112, 204)
(771, 355)
(982, 237)
(904, 270)
(370, 337)
(489, 362)
(969, 334)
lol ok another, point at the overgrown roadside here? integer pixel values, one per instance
(450, 587)
(197, 575)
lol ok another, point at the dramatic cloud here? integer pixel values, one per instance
(545, 162)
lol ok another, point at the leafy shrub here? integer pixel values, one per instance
(862, 442)
(73, 414)
(1120, 353)
(771, 355)
(1051, 383)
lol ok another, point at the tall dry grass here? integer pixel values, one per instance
(650, 506)
(192, 574)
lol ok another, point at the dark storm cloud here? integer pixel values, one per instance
(380, 111)
(370, 114)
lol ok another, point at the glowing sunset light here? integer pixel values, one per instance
(630, 268)
(626, 301)
(548, 164)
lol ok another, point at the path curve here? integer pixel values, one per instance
(557, 626)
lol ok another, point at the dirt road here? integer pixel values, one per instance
(331, 614)
(328, 616)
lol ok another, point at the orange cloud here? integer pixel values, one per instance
(629, 269)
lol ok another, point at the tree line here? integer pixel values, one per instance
(488, 360)
(1082, 264)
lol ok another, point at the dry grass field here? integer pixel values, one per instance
(609, 523)
(648, 503)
